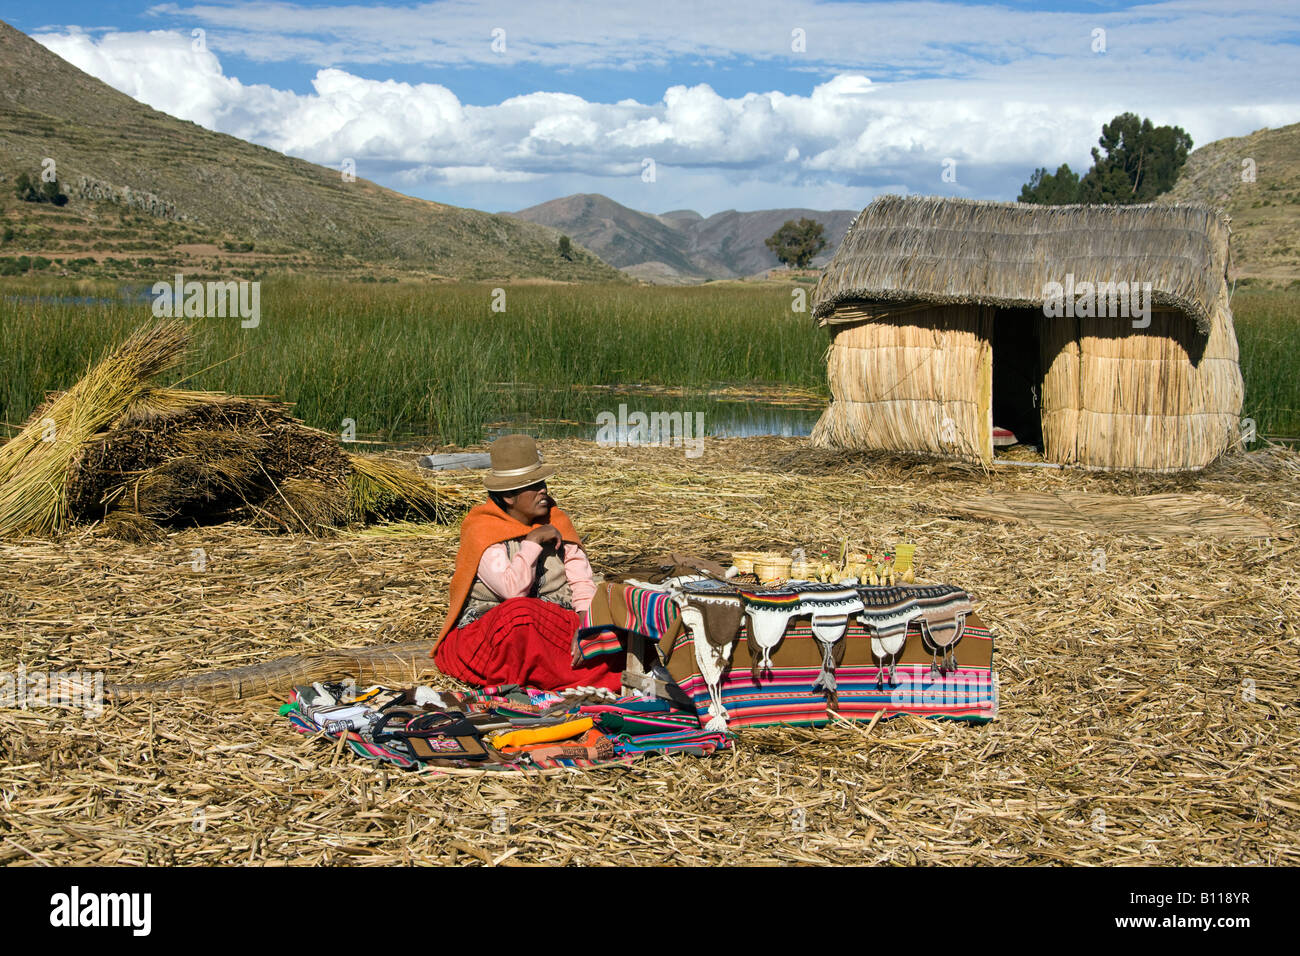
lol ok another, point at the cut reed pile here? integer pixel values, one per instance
(1148, 709)
(35, 463)
(120, 450)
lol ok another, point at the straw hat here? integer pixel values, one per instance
(516, 463)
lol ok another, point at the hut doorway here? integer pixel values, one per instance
(1018, 376)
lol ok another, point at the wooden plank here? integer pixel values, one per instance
(452, 462)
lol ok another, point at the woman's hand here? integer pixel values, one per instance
(546, 534)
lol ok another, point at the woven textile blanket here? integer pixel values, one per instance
(617, 608)
(788, 694)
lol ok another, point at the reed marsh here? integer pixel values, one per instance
(435, 363)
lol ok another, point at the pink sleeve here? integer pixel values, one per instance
(578, 570)
(507, 578)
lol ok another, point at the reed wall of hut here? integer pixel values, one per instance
(917, 383)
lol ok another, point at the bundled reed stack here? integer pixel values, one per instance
(136, 457)
(932, 303)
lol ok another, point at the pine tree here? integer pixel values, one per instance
(1140, 162)
(1051, 189)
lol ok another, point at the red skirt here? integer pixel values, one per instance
(524, 641)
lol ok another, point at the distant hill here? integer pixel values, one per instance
(682, 245)
(1265, 213)
(148, 192)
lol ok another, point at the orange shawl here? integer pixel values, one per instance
(484, 526)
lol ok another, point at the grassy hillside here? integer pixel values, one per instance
(152, 193)
(1265, 213)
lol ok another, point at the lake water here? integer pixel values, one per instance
(621, 415)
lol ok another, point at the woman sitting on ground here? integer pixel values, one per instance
(520, 584)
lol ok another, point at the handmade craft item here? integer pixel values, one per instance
(943, 619)
(711, 612)
(772, 567)
(788, 697)
(887, 570)
(829, 628)
(903, 555)
(563, 731)
(887, 612)
(710, 658)
(771, 609)
(802, 570)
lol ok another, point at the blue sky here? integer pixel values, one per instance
(759, 104)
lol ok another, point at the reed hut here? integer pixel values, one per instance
(949, 317)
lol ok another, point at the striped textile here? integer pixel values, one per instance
(681, 734)
(507, 700)
(527, 764)
(356, 742)
(533, 696)
(786, 695)
(699, 743)
(629, 705)
(651, 613)
(639, 724)
(889, 610)
(647, 612)
(592, 644)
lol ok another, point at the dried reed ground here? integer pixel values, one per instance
(1125, 733)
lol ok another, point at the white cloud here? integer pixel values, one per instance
(463, 175)
(1035, 95)
(913, 36)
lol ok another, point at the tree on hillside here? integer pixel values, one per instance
(566, 248)
(51, 193)
(25, 189)
(1141, 161)
(796, 243)
(33, 190)
(1051, 189)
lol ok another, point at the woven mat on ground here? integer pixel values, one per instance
(1148, 516)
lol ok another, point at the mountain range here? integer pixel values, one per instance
(680, 246)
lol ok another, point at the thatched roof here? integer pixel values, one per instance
(936, 250)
